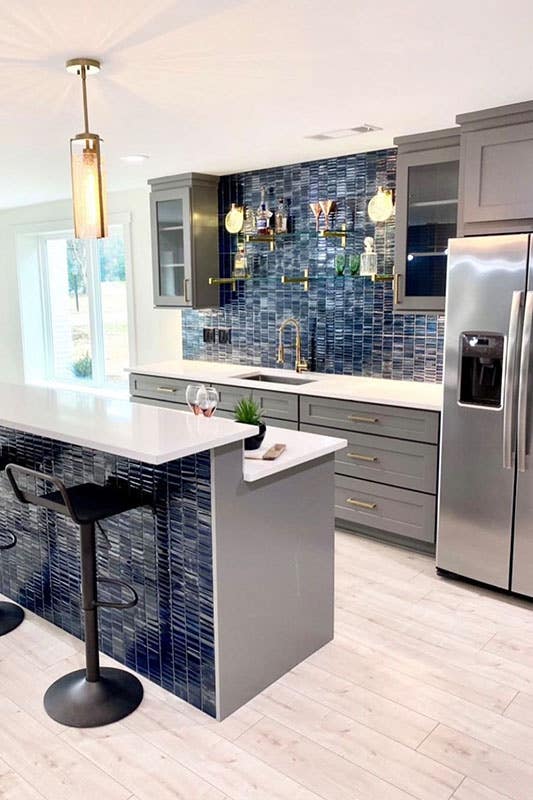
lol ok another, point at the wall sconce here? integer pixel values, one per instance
(88, 177)
(381, 206)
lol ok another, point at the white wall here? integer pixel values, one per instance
(157, 332)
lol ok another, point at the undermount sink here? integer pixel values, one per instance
(264, 378)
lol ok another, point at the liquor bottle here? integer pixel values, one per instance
(249, 221)
(281, 217)
(239, 264)
(263, 215)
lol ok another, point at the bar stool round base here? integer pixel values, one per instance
(76, 702)
(11, 616)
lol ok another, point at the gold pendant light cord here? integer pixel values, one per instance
(84, 92)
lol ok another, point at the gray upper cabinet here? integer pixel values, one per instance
(184, 225)
(496, 170)
(427, 188)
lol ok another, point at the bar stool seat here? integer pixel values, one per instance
(92, 502)
(11, 615)
(95, 695)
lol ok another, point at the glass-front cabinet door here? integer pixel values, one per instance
(171, 247)
(426, 218)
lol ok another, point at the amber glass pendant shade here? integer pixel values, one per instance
(88, 188)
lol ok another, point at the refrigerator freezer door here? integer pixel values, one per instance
(522, 571)
(486, 283)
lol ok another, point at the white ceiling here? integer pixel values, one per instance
(224, 85)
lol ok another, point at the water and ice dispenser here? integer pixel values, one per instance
(481, 359)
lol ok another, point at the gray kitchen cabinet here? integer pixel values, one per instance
(496, 170)
(413, 424)
(274, 405)
(385, 480)
(153, 387)
(410, 515)
(184, 227)
(426, 217)
(396, 462)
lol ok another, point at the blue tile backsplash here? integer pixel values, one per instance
(166, 555)
(348, 326)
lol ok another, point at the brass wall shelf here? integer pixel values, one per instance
(303, 279)
(262, 238)
(229, 281)
(342, 234)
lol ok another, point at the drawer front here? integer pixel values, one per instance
(409, 465)
(269, 421)
(399, 511)
(171, 390)
(229, 396)
(381, 420)
(276, 405)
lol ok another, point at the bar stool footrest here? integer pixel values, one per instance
(78, 703)
(11, 541)
(111, 603)
(11, 616)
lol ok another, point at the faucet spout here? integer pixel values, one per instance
(301, 364)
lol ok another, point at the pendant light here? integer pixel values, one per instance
(88, 177)
(381, 206)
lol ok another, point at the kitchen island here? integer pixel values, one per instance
(232, 560)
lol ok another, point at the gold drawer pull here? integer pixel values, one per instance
(355, 418)
(360, 503)
(360, 457)
(166, 389)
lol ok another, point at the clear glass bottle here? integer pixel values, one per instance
(281, 217)
(249, 221)
(263, 215)
(239, 263)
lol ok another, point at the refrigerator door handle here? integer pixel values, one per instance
(524, 382)
(510, 380)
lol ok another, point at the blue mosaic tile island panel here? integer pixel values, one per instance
(166, 555)
(348, 325)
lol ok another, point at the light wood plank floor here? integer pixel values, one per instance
(426, 692)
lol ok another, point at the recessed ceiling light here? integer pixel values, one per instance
(135, 158)
(342, 133)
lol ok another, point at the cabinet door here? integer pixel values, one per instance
(426, 217)
(171, 247)
(497, 170)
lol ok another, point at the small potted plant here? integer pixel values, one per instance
(249, 412)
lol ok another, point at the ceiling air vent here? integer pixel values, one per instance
(342, 133)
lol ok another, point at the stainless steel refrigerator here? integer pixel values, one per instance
(485, 529)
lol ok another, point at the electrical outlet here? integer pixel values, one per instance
(209, 335)
(224, 335)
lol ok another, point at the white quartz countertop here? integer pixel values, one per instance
(144, 433)
(407, 394)
(301, 448)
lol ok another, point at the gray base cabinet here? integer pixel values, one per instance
(385, 479)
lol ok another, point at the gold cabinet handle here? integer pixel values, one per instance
(166, 389)
(361, 503)
(356, 418)
(360, 457)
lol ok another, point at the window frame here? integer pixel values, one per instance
(32, 267)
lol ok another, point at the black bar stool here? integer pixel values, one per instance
(95, 695)
(11, 615)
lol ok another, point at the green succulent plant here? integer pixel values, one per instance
(248, 412)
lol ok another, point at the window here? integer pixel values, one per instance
(76, 325)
